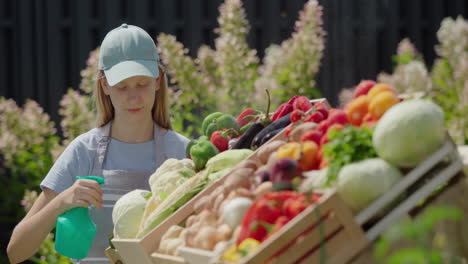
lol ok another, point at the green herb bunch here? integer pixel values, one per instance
(351, 144)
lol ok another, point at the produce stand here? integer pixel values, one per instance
(326, 230)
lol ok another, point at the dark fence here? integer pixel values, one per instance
(44, 43)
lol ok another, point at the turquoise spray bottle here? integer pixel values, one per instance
(75, 231)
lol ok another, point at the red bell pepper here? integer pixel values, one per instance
(302, 103)
(271, 211)
(294, 206)
(220, 140)
(282, 110)
(262, 210)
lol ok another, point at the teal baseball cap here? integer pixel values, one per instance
(128, 51)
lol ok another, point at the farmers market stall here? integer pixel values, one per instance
(295, 186)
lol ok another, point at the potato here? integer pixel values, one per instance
(172, 232)
(263, 188)
(241, 178)
(265, 151)
(218, 191)
(236, 232)
(192, 231)
(249, 164)
(271, 161)
(217, 202)
(170, 246)
(301, 129)
(206, 238)
(223, 233)
(243, 192)
(202, 204)
(191, 220)
(207, 217)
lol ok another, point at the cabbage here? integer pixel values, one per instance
(227, 159)
(127, 213)
(360, 183)
(219, 174)
(314, 179)
(409, 133)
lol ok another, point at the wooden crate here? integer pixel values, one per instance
(454, 195)
(417, 185)
(322, 230)
(140, 250)
(113, 255)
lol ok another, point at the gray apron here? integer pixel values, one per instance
(118, 183)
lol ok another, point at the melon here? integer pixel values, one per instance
(409, 132)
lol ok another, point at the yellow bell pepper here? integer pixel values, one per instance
(234, 253)
(290, 150)
(248, 245)
(231, 254)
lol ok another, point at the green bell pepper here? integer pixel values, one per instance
(209, 119)
(224, 121)
(201, 151)
(191, 143)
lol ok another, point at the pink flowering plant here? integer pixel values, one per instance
(290, 68)
(29, 145)
(446, 83)
(230, 75)
(450, 76)
(410, 76)
(27, 139)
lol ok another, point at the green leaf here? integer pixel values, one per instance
(148, 195)
(163, 196)
(408, 256)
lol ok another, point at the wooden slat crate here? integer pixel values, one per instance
(432, 173)
(453, 196)
(113, 256)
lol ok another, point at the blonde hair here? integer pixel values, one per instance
(160, 111)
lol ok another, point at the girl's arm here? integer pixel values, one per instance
(29, 234)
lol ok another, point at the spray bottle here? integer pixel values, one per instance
(75, 230)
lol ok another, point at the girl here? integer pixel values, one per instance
(132, 139)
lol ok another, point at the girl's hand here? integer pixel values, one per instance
(81, 194)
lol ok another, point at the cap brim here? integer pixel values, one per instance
(127, 69)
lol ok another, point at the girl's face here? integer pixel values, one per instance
(133, 98)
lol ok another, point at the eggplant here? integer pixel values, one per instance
(278, 124)
(270, 136)
(245, 140)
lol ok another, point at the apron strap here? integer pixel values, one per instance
(160, 154)
(102, 149)
(159, 148)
